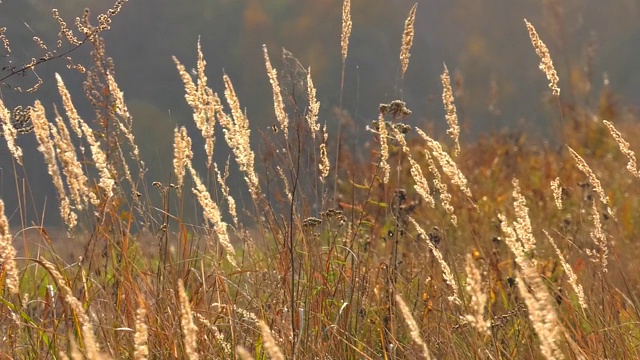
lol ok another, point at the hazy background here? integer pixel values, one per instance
(484, 44)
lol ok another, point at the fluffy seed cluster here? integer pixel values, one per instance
(546, 64)
(407, 39)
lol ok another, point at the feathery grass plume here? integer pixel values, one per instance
(107, 182)
(448, 165)
(593, 179)
(346, 29)
(450, 108)
(47, 148)
(573, 279)
(124, 124)
(314, 106)
(278, 103)
(546, 64)
(8, 254)
(219, 337)
(446, 271)
(140, 346)
(225, 191)
(599, 238)
(243, 354)
(76, 179)
(523, 223)
(189, 328)
(407, 39)
(5, 41)
(444, 195)
(237, 134)
(10, 133)
(632, 165)
(324, 164)
(202, 101)
(414, 330)
(80, 127)
(285, 182)
(541, 311)
(212, 214)
(422, 185)
(182, 154)
(384, 148)
(478, 298)
(269, 342)
(511, 239)
(90, 343)
(69, 108)
(557, 192)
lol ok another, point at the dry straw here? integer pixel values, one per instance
(599, 238)
(448, 165)
(557, 192)
(269, 342)
(189, 328)
(237, 136)
(443, 191)
(446, 271)
(243, 354)
(78, 125)
(8, 254)
(422, 185)
(522, 225)
(593, 179)
(212, 214)
(76, 179)
(182, 154)
(632, 165)
(314, 106)
(278, 103)
(219, 337)
(450, 110)
(231, 202)
(541, 311)
(573, 279)
(47, 147)
(202, 101)
(346, 29)
(90, 343)
(478, 297)
(141, 348)
(10, 133)
(384, 148)
(324, 164)
(414, 330)
(546, 64)
(407, 39)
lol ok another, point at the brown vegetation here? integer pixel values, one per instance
(496, 249)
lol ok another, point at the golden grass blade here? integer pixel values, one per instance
(278, 103)
(450, 110)
(189, 328)
(632, 165)
(269, 342)
(48, 148)
(407, 39)
(9, 132)
(346, 29)
(8, 254)
(546, 64)
(414, 330)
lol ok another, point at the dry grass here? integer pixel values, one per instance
(443, 239)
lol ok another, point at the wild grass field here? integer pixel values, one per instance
(418, 245)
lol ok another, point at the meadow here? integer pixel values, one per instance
(417, 245)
